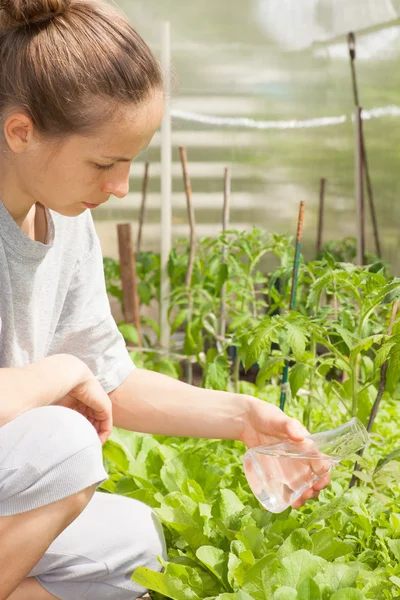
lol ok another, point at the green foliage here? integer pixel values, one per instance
(222, 545)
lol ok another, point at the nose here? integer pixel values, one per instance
(120, 188)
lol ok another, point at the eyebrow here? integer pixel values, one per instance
(123, 159)
(117, 159)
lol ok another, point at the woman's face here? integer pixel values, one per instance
(81, 172)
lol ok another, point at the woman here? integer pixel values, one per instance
(80, 97)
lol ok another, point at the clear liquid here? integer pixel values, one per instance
(278, 480)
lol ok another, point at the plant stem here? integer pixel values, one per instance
(293, 294)
(354, 384)
(313, 352)
(381, 390)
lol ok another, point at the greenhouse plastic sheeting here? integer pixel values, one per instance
(264, 86)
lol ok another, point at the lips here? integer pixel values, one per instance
(91, 206)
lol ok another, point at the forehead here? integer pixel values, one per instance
(130, 129)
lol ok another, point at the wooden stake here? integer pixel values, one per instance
(142, 213)
(321, 214)
(225, 226)
(191, 216)
(128, 277)
(192, 250)
(359, 187)
(381, 390)
(351, 40)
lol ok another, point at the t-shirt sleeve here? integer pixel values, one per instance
(87, 329)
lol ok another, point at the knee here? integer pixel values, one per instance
(50, 453)
(141, 540)
(56, 433)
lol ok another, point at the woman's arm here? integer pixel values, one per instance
(38, 384)
(153, 403)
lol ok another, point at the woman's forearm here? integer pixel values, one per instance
(153, 403)
(37, 384)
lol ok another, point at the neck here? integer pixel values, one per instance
(19, 204)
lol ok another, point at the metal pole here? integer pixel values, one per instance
(166, 186)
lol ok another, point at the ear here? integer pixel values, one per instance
(18, 132)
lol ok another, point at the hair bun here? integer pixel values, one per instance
(20, 13)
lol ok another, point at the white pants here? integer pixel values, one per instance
(50, 453)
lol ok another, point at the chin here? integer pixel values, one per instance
(70, 211)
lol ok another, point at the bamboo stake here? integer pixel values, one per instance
(293, 295)
(359, 187)
(128, 277)
(166, 187)
(191, 216)
(192, 250)
(321, 214)
(225, 226)
(352, 52)
(142, 212)
(381, 390)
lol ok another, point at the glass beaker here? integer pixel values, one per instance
(278, 474)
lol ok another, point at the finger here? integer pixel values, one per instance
(323, 482)
(298, 504)
(295, 430)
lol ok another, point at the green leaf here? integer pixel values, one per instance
(179, 320)
(259, 578)
(241, 595)
(168, 367)
(299, 539)
(383, 353)
(144, 291)
(116, 455)
(183, 523)
(261, 340)
(298, 566)
(272, 366)
(327, 510)
(326, 545)
(297, 377)
(394, 546)
(338, 576)
(229, 504)
(348, 594)
(216, 560)
(348, 337)
(309, 590)
(216, 373)
(222, 277)
(384, 461)
(365, 344)
(285, 593)
(252, 538)
(189, 345)
(171, 587)
(129, 333)
(395, 580)
(296, 339)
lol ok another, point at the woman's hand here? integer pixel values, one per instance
(264, 424)
(89, 399)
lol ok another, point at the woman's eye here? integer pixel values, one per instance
(104, 167)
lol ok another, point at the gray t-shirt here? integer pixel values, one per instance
(53, 298)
